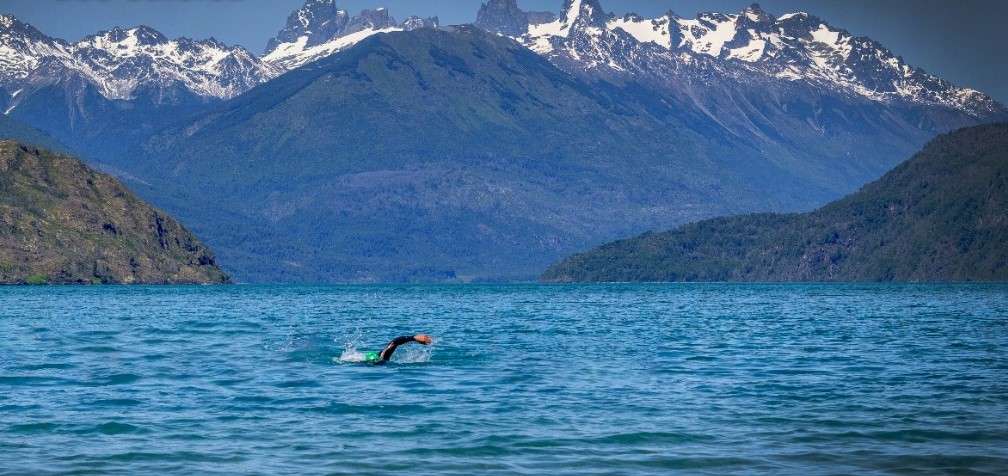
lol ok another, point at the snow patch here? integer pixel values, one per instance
(643, 31)
(749, 53)
(704, 40)
(292, 55)
(538, 37)
(824, 35)
(286, 50)
(573, 13)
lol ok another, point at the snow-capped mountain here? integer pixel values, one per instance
(320, 28)
(751, 73)
(752, 45)
(21, 48)
(118, 62)
(505, 18)
(104, 93)
(121, 60)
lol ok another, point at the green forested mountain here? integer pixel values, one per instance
(458, 154)
(940, 216)
(62, 223)
(436, 155)
(433, 155)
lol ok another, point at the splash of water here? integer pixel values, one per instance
(407, 354)
(350, 352)
(413, 354)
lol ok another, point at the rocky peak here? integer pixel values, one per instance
(502, 17)
(796, 47)
(414, 22)
(755, 14)
(318, 21)
(713, 19)
(377, 19)
(22, 47)
(798, 25)
(584, 12)
(121, 61)
(13, 29)
(124, 39)
(147, 36)
(289, 52)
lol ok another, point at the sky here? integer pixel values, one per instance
(962, 41)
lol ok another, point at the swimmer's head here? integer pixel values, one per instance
(423, 339)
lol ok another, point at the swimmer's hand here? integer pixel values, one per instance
(423, 339)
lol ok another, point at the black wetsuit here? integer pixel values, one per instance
(389, 349)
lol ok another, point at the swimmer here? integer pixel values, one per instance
(386, 353)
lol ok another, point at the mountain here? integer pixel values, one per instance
(939, 216)
(62, 223)
(391, 152)
(104, 93)
(795, 48)
(507, 19)
(120, 61)
(22, 46)
(320, 28)
(439, 155)
(795, 86)
(12, 129)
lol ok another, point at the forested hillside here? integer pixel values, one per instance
(940, 216)
(63, 223)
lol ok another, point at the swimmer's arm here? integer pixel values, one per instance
(389, 349)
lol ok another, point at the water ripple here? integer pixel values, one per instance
(597, 379)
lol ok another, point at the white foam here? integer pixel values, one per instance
(413, 354)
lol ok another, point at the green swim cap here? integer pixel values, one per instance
(371, 356)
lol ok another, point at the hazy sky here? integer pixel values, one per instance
(962, 41)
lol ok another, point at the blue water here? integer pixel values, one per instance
(638, 379)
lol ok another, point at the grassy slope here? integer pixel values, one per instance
(62, 223)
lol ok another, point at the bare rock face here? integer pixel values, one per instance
(319, 21)
(63, 223)
(502, 17)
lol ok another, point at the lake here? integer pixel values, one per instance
(541, 379)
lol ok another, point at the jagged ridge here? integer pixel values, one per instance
(120, 61)
(794, 47)
(320, 28)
